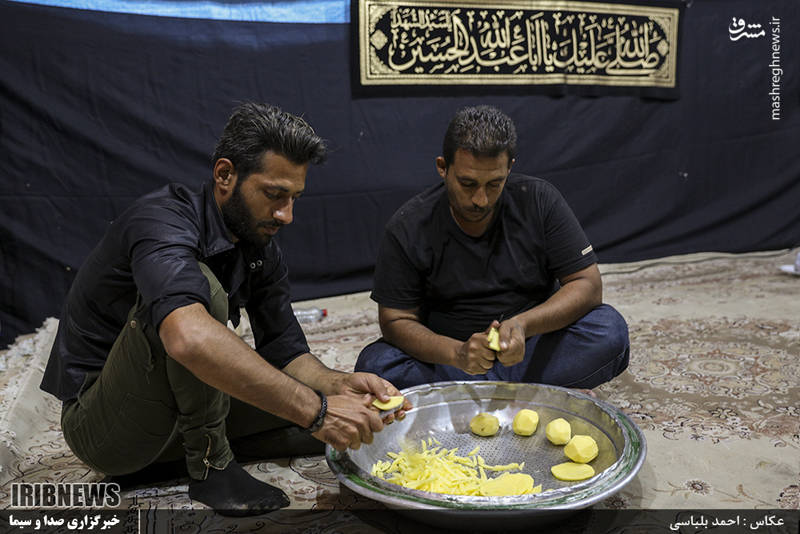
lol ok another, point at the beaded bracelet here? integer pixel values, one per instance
(318, 422)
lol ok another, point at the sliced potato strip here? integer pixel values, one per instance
(441, 470)
(571, 471)
(394, 402)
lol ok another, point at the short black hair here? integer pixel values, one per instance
(482, 130)
(253, 128)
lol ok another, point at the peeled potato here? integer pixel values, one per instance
(558, 431)
(525, 422)
(571, 471)
(581, 449)
(391, 404)
(507, 484)
(493, 337)
(484, 424)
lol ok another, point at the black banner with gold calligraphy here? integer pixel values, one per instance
(94, 113)
(545, 46)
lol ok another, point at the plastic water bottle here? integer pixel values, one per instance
(310, 315)
(797, 263)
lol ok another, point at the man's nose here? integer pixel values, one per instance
(480, 198)
(284, 213)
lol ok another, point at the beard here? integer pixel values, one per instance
(241, 223)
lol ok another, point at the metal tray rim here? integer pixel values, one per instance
(576, 496)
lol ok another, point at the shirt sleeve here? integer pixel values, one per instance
(278, 336)
(568, 248)
(397, 282)
(163, 253)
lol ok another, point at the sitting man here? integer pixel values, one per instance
(487, 248)
(143, 360)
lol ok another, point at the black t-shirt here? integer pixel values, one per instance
(461, 283)
(153, 250)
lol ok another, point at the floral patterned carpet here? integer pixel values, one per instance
(714, 383)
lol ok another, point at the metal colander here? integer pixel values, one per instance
(443, 411)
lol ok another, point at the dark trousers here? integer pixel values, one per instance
(145, 407)
(589, 352)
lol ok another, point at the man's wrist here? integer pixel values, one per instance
(454, 347)
(337, 382)
(527, 320)
(319, 420)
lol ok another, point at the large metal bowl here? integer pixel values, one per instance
(443, 411)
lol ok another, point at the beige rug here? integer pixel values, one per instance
(714, 382)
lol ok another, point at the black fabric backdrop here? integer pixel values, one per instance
(98, 108)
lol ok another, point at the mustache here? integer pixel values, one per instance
(270, 224)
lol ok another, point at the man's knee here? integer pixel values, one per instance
(391, 363)
(602, 340)
(615, 340)
(610, 329)
(372, 356)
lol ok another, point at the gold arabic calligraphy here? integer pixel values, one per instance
(450, 41)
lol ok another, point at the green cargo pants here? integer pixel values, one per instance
(144, 407)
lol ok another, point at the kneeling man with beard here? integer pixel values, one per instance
(144, 362)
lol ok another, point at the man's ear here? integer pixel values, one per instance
(441, 166)
(511, 164)
(224, 177)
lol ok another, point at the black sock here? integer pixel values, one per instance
(233, 491)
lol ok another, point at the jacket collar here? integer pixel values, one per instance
(217, 238)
